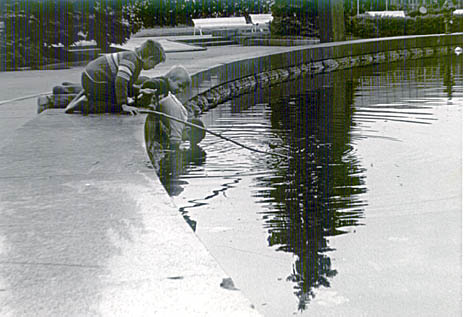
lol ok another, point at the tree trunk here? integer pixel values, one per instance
(331, 20)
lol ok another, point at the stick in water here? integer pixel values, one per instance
(209, 131)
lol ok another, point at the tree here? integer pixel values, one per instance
(108, 23)
(32, 28)
(35, 31)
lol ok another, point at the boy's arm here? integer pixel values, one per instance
(121, 90)
(158, 83)
(153, 87)
(126, 72)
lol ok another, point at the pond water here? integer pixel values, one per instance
(362, 218)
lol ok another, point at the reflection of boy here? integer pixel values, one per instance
(108, 80)
(175, 81)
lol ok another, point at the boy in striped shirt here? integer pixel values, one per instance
(108, 80)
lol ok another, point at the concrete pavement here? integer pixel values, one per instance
(87, 229)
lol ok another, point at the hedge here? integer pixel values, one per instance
(174, 12)
(295, 18)
(370, 27)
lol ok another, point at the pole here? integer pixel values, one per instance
(209, 131)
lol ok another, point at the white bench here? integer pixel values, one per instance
(218, 23)
(259, 20)
(393, 14)
(458, 12)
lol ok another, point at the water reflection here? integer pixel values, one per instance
(319, 192)
(173, 165)
(316, 194)
(448, 76)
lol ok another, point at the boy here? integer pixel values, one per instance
(108, 80)
(176, 80)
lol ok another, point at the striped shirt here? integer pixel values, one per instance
(122, 69)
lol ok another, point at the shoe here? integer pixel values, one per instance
(43, 102)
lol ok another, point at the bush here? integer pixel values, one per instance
(297, 18)
(33, 27)
(369, 27)
(292, 26)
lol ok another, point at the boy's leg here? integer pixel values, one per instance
(53, 102)
(78, 100)
(98, 98)
(69, 84)
(102, 97)
(104, 101)
(67, 88)
(62, 101)
(76, 103)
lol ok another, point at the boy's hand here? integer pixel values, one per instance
(131, 110)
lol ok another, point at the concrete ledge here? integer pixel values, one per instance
(251, 41)
(86, 228)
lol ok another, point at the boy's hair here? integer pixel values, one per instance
(179, 73)
(152, 48)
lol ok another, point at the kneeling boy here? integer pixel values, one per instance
(108, 80)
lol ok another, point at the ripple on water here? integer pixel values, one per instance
(294, 205)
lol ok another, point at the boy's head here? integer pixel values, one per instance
(152, 53)
(178, 78)
(194, 135)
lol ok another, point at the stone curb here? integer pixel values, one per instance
(244, 76)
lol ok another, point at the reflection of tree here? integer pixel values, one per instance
(447, 74)
(316, 194)
(174, 164)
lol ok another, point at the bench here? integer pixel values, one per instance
(218, 23)
(259, 20)
(458, 12)
(393, 14)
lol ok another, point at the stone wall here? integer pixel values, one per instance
(224, 82)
